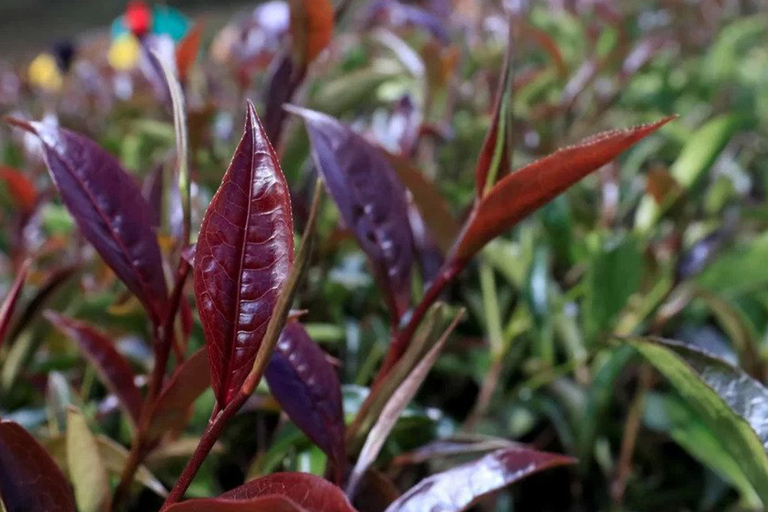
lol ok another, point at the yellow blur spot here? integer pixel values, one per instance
(44, 73)
(124, 52)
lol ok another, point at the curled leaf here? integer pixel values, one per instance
(243, 257)
(109, 209)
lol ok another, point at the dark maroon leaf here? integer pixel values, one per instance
(243, 257)
(188, 382)
(526, 190)
(308, 491)
(272, 503)
(108, 207)
(30, 480)
(282, 85)
(458, 488)
(371, 200)
(113, 369)
(9, 304)
(307, 388)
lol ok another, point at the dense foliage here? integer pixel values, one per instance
(322, 259)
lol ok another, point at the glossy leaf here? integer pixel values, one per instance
(109, 209)
(371, 200)
(529, 188)
(243, 257)
(86, 469)
(672, 415)
(732, 404)
(458, 488)
(311, 28)
(21, 190)
(30, 481)
(309, 491)
(9, 303)
(187, 383)
(272, 503)
(113, 369)
(307, 388)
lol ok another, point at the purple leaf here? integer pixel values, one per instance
(113, 369)
(243, 257)
(30, 481)
(9, 304)
(282, 85)
(153, 193)
(307, 388)
(109, 209)
(459, 488)
(371, 200)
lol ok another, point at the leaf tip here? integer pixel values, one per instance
(20, 123)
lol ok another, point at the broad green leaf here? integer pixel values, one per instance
(86, 467)
(729, 402)
(738, 270)
(672, 415)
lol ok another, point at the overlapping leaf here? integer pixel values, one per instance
(308, 491)
(243, 257)
(113, 369)
(271, 503)
(9, 304)
(371, 200)
(30, 481)
(307, 388)
(529, 188)
(458, 488)
(107, 205)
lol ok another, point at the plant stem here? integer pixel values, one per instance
(163, 339)
(490, 382)
(403, 337)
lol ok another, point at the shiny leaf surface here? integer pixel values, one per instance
(371, 200)
(307, 388)
(313, 493)
(113, 369)
(109, 209)
(732, 404)
(30, 481)
(243, 257)
(458, 488)
(529, 188)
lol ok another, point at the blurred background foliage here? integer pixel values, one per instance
(669, 240)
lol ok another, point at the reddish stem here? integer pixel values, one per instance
(403, 337)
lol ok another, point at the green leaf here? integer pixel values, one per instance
(738, 270)
(613, 278)
(86, 468)
(729, 402)
(670, 414)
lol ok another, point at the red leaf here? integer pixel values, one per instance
(244, 255)
(531, 187)
(187, 51)
(307, 388)
(9, 304)
(30, 481)
(311, 28)
(309, 491)
(113, 369)
(263, 504)
(189, 381)
(370, 198)
(458, 488)
(21, 189)
(108, 207)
